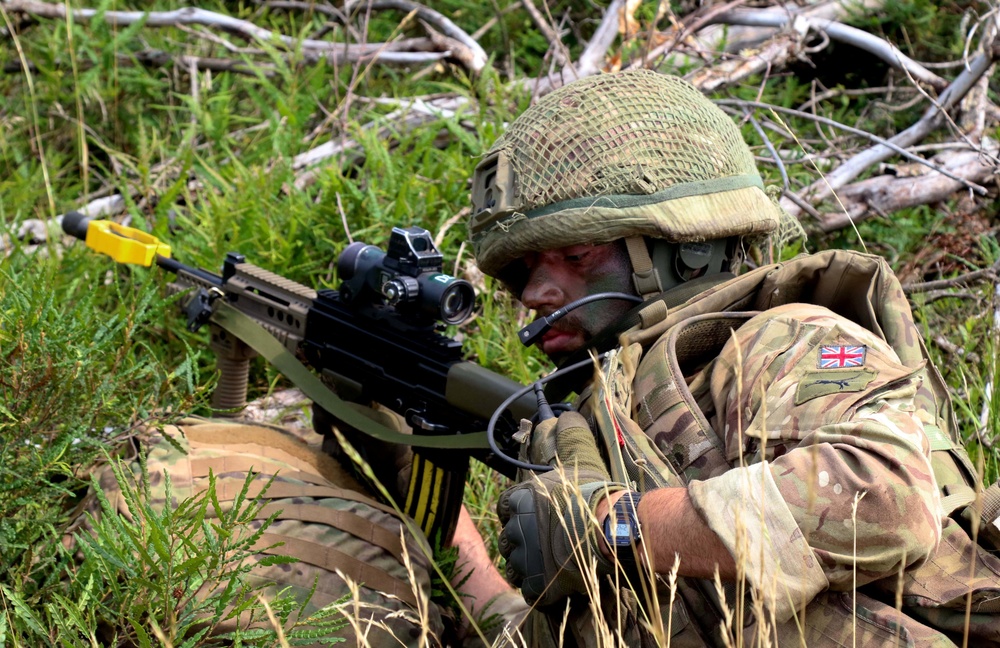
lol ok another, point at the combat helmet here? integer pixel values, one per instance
(634, 155)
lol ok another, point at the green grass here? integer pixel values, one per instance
(88, 349)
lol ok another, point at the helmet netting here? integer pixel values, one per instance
(615, 134)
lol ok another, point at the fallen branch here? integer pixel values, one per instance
(311, 6)
(459, 51)
(961, 281)
(951, 348)
(478, 56)
(559, 52)
(836, 31)
(737, 38)
(591, 61)
(36, 230)
(889, 144)
(888, 193)
(825, 187)
(773, 54)
(411, 114)
(312, 50)
(682, 32)
(770, 148)
(160, 58)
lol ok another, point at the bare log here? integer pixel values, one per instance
(888, 193)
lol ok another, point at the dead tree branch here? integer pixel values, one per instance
(825, 187)
(312, 49)
(591, 61)
(411, 114)
(160, 58)
(737, 38)
(773, 54)
(888, 193)
(477, 59)
(889, 144)
(836, 31)
(962, 281)
(559, 52)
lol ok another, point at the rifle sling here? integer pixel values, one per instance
(257, 338)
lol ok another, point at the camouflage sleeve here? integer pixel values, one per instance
(835, 485)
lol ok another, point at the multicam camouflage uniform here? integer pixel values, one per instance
(805, 440)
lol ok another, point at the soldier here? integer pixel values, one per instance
(780, 431)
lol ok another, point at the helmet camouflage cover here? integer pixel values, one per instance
(612, 156)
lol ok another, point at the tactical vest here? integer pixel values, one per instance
(656, 435)
(350, 549)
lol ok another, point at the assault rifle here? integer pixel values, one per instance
(377, 338)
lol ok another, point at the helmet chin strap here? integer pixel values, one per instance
(645, 276)
(672, 264)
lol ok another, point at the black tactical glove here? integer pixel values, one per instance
(550, 533)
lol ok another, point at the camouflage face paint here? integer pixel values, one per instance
(558, 277)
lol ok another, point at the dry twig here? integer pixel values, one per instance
(962, 281)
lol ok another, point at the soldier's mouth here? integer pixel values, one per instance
(558, 342)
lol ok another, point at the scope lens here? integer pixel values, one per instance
(457, 302)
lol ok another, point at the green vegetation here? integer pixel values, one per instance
(206, 162)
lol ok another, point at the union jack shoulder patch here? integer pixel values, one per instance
(841, 356)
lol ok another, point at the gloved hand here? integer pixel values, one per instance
(549, 529)
(391, 462)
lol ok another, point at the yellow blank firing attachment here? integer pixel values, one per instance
(125, 244)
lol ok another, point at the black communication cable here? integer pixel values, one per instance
(528, 336)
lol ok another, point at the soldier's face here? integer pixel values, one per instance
(558, 277)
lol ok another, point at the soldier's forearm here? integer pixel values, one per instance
(672, 527)
(484, 581)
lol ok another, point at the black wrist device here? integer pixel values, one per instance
(621, 527)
